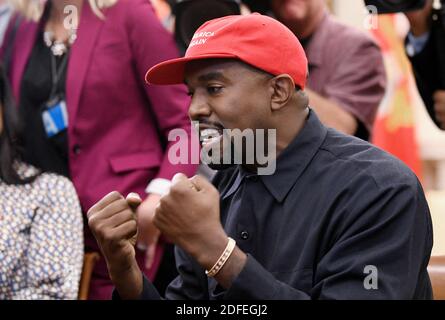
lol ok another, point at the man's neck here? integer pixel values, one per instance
(287, 132)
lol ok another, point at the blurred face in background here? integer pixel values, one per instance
(298, 13)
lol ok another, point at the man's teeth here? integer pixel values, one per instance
(209, 134)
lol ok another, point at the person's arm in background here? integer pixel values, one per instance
(354, 92)
(331, 114)
(422, 51)
(55, 252)
(151, 44)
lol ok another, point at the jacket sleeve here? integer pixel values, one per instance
(150, 44)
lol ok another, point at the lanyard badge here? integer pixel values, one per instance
(55, 117)
(54, 112)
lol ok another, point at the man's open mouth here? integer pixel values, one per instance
(209, 136)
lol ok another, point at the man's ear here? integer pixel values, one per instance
(283, 89)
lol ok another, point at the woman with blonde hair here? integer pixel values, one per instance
(77, 70)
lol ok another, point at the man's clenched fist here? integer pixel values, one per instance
(113, 223)
(189, 216)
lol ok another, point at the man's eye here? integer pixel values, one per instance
(214, 89)
(190, 93)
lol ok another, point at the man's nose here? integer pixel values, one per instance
(198, 108)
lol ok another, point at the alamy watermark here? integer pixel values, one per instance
(371, 281)
(71, 21)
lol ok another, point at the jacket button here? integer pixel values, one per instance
(244, 235)
(76, 149)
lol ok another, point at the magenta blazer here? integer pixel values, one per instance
(115, 120)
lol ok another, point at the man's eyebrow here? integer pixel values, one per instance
(216, 75)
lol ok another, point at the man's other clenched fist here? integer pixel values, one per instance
(189, 217)
(114, 225)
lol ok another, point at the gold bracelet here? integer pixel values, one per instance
(222, 259)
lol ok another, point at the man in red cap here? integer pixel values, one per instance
(337, 219)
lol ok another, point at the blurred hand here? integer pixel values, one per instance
(420, 20)
(148, 233)
(113, 223)
(189, 216)
(439, 107)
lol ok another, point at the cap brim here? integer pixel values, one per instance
(172, 71)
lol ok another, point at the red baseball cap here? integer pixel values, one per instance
(257, 40)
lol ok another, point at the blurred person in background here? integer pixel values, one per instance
(424, 45)
(163, 11)
(77, 70)
(190, 14)
(41, 234)
(346, 73)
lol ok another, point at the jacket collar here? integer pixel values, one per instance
(80, 58)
